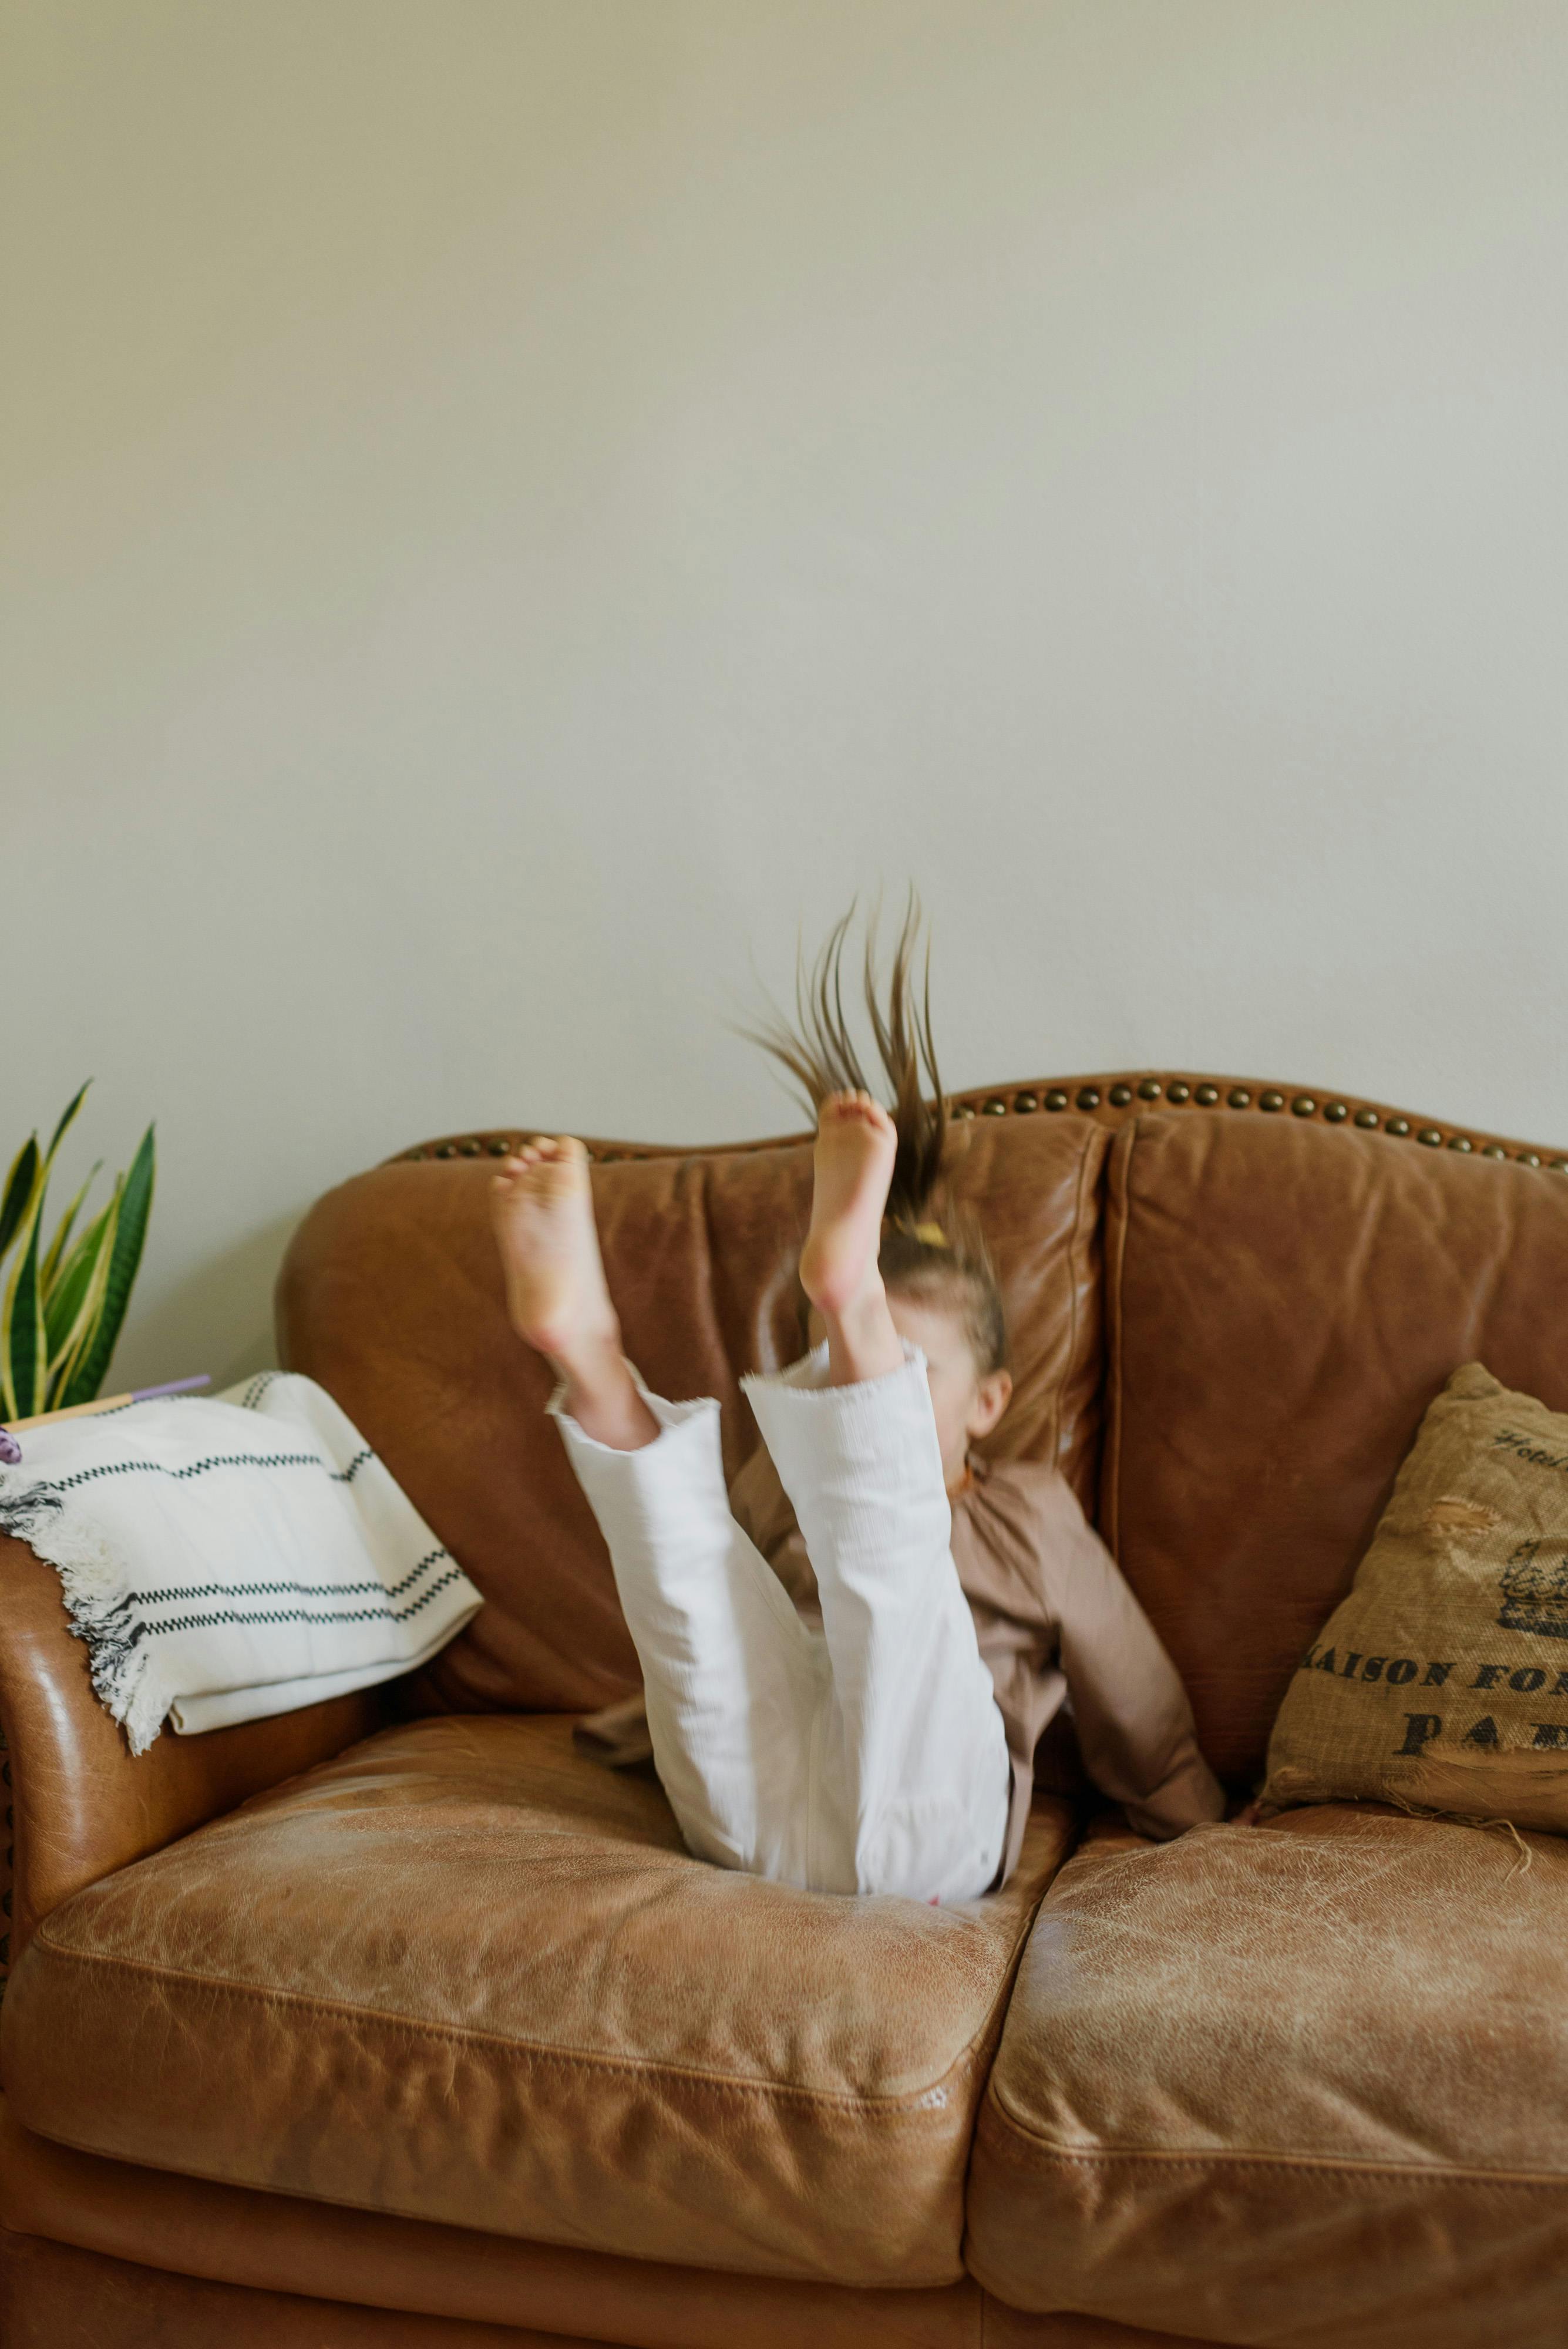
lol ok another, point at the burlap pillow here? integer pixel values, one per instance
(1441, 1681)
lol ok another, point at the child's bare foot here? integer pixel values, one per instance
(856, 1145)
(853, 1166)
(543, 1211)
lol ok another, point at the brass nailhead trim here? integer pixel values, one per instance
(1088, 1097)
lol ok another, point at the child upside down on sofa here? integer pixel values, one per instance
(876, 1731)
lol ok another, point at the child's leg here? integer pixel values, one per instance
(919, 1746)
(733, 1680)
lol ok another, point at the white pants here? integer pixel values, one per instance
(868, 1756)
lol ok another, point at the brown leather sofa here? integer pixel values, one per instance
(394, 2023)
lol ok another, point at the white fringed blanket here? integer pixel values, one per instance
(230, 1558)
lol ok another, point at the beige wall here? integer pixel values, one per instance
(513, 504)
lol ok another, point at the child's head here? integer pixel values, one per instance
(941, 1290)
(943, 1298)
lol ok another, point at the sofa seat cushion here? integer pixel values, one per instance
(1305, 2083)
(463, 1974)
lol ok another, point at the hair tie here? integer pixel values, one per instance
(932, 1236)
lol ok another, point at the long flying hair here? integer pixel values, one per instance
(929, 1250)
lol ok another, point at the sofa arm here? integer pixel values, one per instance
(81, 1804)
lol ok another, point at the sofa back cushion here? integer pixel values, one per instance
(390, 1295)
(1285, 1299)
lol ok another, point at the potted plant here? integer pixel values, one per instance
(64, 1302)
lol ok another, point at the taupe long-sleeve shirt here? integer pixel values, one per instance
(1054, 1622)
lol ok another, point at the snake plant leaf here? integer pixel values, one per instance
(90, 1313)
(20, 1184)
(22, 1334)
(66, 1116)
(68, 1306)
(95, 1248)
(135, 1204)
(62, 1233)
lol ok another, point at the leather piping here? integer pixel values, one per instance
(1070, 1356)
(1248, 2157)
(1119, 1187)
(884, 2107)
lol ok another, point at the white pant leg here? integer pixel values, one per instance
(917, 1751)
(735, 1684)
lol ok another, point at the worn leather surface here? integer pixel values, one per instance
(81, 1806)
(273, 2243)
(464, 1974)
(392, 1297)
(54, 2298)
(1285, 1299)
(1002, 2327)
(1306, 2085)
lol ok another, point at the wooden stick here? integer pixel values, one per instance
(107, 1402)
(73, 1411)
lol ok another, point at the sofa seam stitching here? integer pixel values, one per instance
(1070, 1362)
(574, 2245)
(1113, 1323)
(1341, 2164)
(911, 2100)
